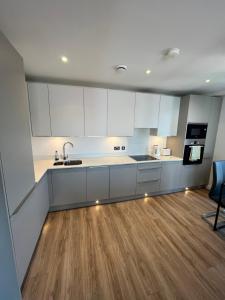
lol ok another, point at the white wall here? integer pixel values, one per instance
(140, 143)
(219, 152)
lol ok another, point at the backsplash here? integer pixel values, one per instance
(140, 143)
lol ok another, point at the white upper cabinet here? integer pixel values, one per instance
(147, 110)
(120, 113)
(199, 109)
(95, 107)
(168, 115)
(66, 110)
(39, 109)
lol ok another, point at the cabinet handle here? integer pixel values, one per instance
(24, 200)
(152, 168)
(145, 181)
(97, 167)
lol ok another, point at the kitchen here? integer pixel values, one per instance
(104, 183)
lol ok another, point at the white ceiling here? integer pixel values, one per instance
(98, 34)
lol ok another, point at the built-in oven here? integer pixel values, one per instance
(193, 153)
(196, 131)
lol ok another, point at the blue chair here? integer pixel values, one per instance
(217, 194)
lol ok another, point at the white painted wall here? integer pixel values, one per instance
(219, 152)
(140, 143)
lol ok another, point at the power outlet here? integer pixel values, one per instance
(116, 148)
(123, 147)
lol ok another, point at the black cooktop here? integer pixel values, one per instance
(143, 157)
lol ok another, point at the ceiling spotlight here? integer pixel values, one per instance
(147, 72)
(120, 68)
(172, 52)
(64, 59)
(207, 80)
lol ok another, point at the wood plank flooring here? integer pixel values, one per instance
(154, 248)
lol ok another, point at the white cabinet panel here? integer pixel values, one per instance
(121, 113)
(39, 109)
(199, 109)
(95, 106)
(15, 137)
(147, 110)
(168, 115)
(27, 224)
(66, 110)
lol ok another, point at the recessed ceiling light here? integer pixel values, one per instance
(147, 72)
(64, 59)
(207, 80)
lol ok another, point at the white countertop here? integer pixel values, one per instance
(41, 166)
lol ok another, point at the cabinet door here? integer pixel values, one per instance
(199, 109)
(146, 110)
(212, 126)
(15, 137)
(170, 176)
(120, 113)
(68, 186)
(39, 109)
(123, 181)
(95, 106)
(196, 175)
(97, 183)
(27, 224)
(9, 286)
(168, 115)
(66, 110)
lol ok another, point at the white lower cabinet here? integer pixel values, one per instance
(97, 183)
(123, 181)
(68, 187)
(26, 225)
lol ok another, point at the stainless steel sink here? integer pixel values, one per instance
(72, 162)
(68, 163)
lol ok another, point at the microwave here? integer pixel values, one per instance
(196, 131)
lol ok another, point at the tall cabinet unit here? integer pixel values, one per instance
(95, 111)
(39, 109)
(197, 109)
(120, 113)
(66, 110)
(15, 137)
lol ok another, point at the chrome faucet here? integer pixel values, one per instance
(65, 156)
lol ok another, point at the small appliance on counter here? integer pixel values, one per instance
(156, 150)
(166, 151)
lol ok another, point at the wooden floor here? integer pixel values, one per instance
(154, 248)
